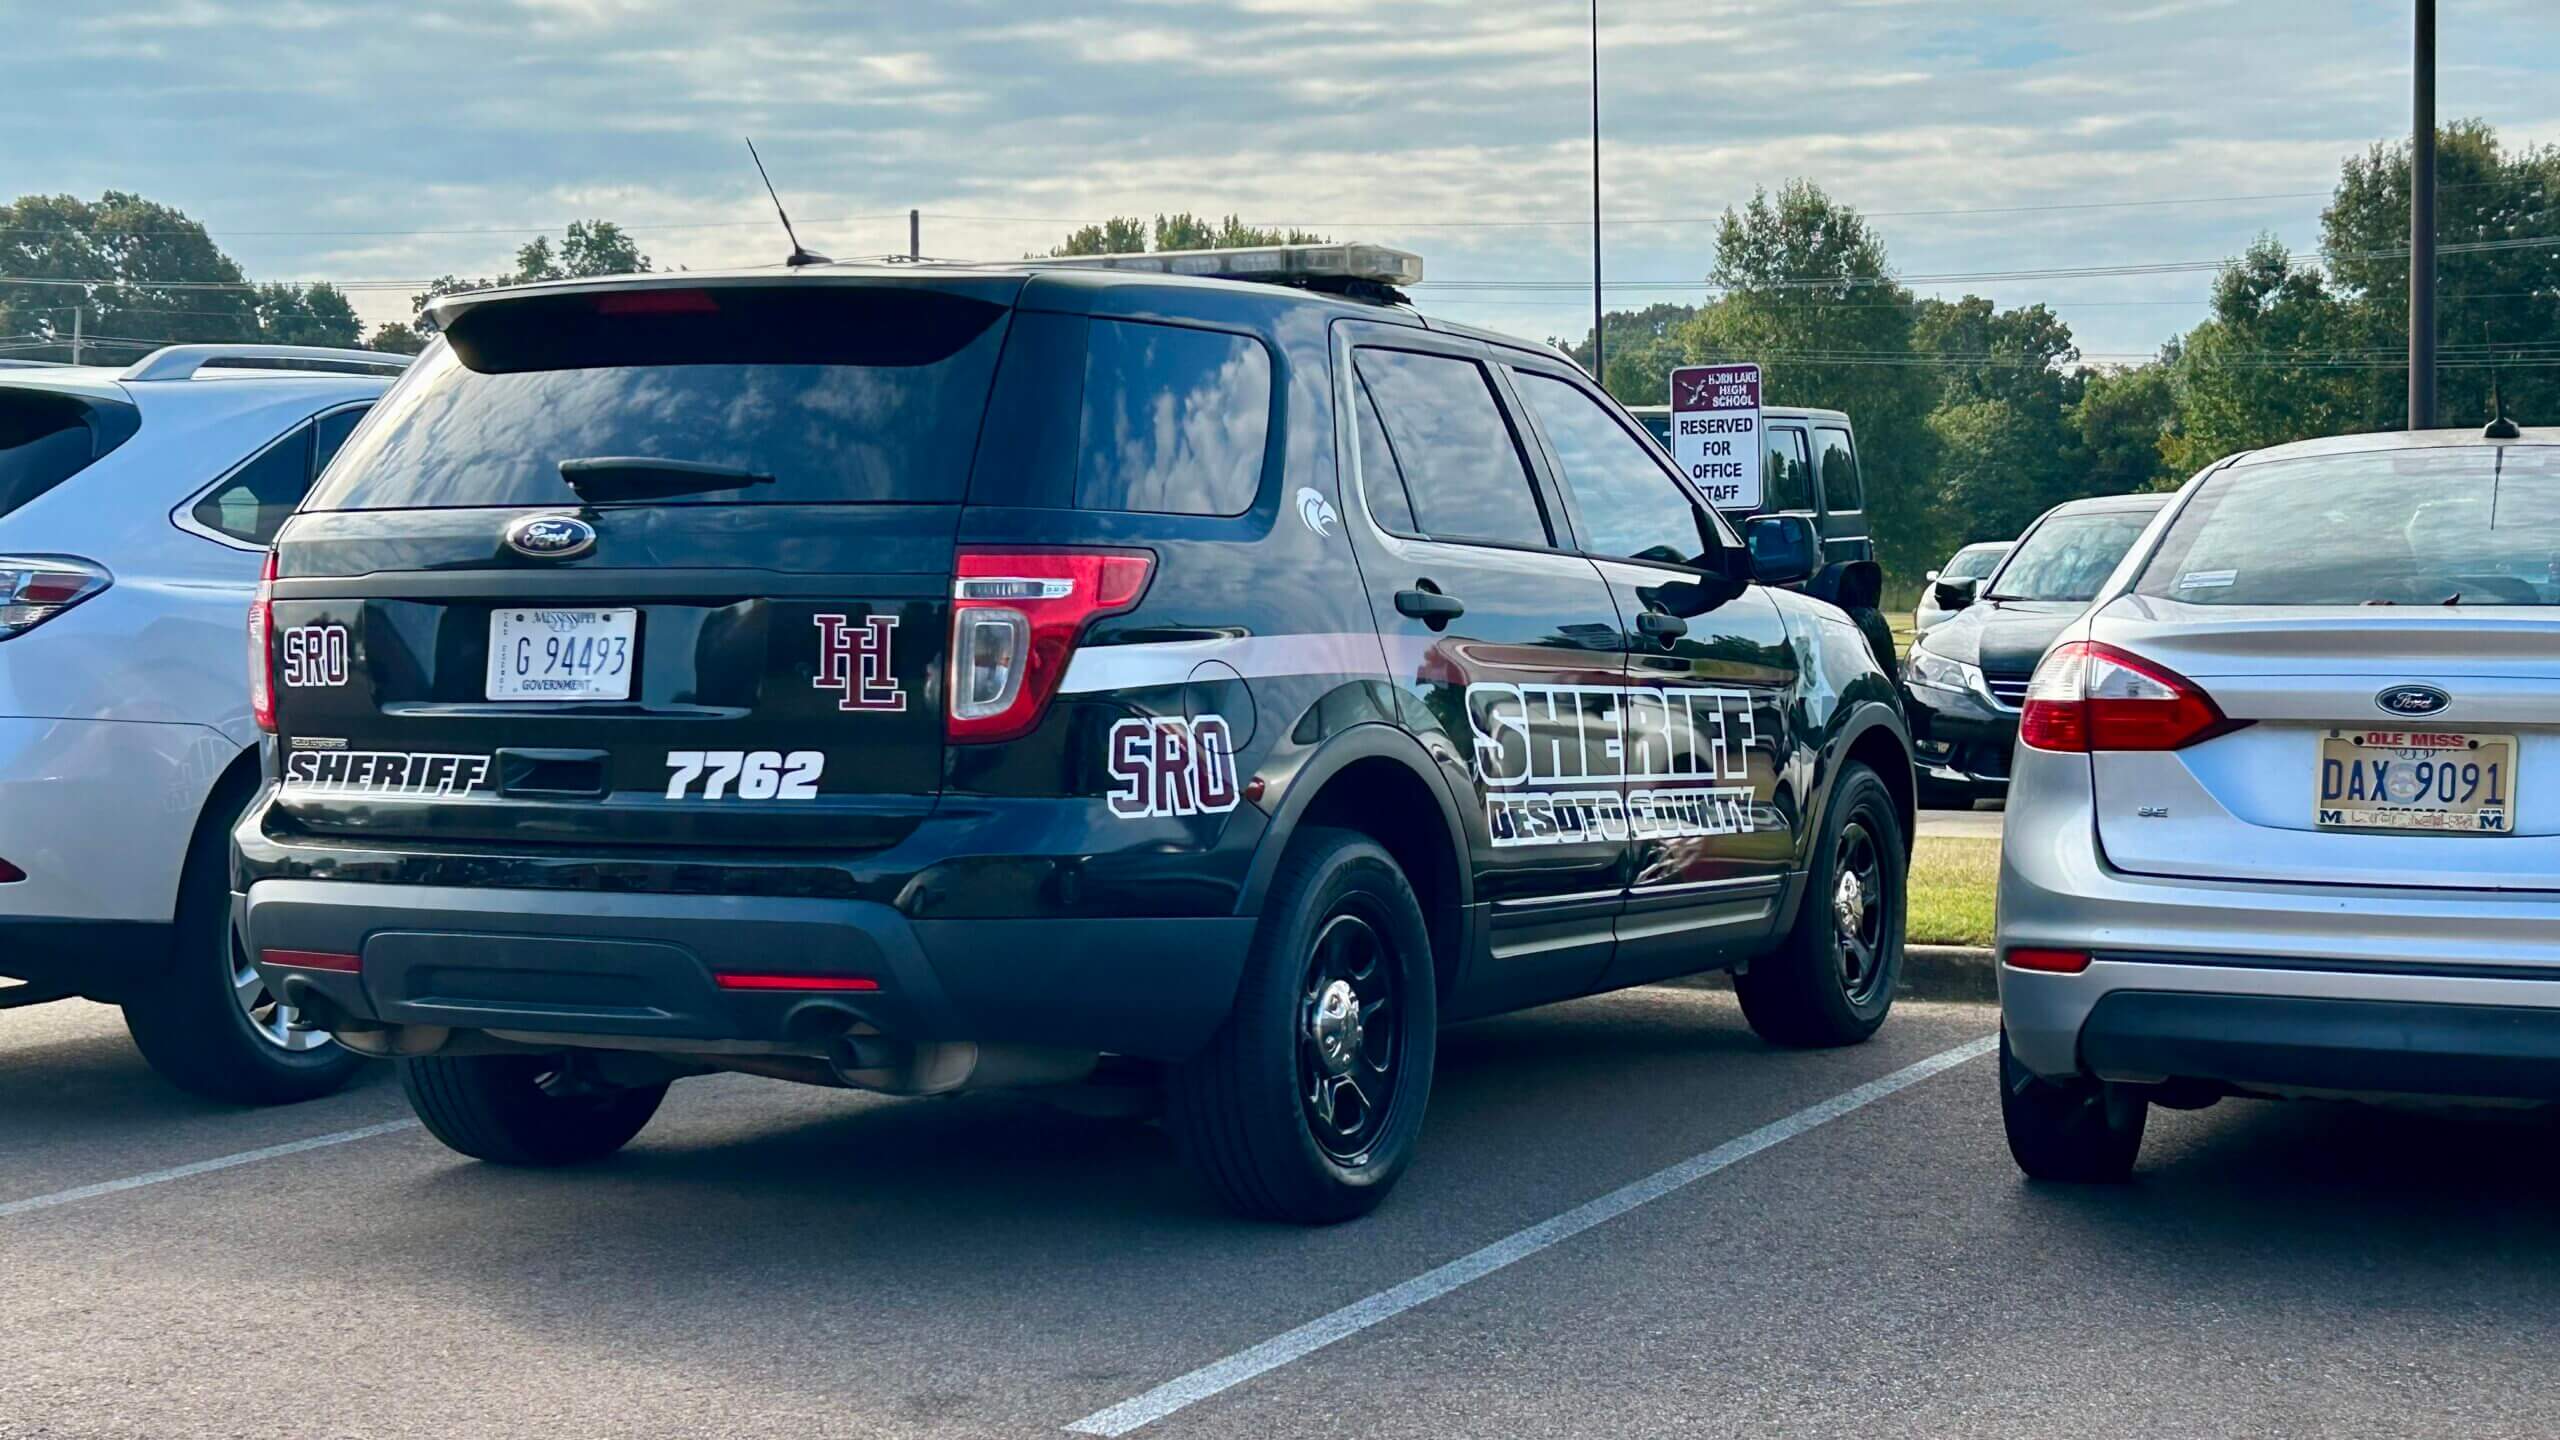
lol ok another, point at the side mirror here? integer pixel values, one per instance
(1929, 579)
(1784, 549)
(1849, 584)
(1954, 594)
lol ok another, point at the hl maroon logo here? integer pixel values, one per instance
(855, 660)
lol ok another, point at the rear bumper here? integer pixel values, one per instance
(641, 967)
(2310, 987)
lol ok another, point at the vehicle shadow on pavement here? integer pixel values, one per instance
(69, 1072)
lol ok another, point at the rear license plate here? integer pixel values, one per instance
(2458, 782)
(553, 654)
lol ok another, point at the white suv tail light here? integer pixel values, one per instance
(1016, 616)
(35, 588)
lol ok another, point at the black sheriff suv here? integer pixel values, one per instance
(917, 678)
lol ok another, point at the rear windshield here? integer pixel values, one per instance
(839, 393)
(47, 437)
(2459, 525)
(2068, 557)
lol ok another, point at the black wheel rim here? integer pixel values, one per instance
(1350, 1036)
(1860, 910)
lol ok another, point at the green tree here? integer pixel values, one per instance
(136, 261)
(397, 338)
(2120, 422)
(2493, 307)
(1119, 235)
(306, 315)
(1130, 235)
(587, 248)
(1808, 295)
(1644, 348)
(2266, 367)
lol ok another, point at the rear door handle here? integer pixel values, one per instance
(1658, 626)
(1429, 606)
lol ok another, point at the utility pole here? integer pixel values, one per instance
(1598, 316)
(2422, 227)
(915, 234)
(76, 315)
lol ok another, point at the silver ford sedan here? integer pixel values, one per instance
(2285, 819)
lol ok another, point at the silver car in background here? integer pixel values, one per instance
(2286, 811)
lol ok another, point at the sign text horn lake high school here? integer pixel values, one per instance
(1715, 431)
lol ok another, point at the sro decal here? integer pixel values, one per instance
(314, 655)
(760, 774)
(1172, 766)
(855, 660)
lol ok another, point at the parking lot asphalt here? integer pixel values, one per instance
(769, 1259)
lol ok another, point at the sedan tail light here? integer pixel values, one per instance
(2086, 697)
(1016, 616)
(262, 675)
(35, 588)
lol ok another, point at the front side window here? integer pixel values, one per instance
(251, 503)
(1631, 508)
(1380, 477)
(1461, 464)
(1174, 420)
(1842, 489)
(2457, 525)
(2067, 557)
(1786, 469)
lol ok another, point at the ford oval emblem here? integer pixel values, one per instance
(2412, 700)
(550, 537)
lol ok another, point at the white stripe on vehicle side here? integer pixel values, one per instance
(1255, 657)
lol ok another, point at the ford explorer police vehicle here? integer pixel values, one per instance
(927, 677)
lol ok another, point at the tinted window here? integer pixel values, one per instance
(2067, 557)
(1841, 487)
(1786, 472)
(1972, 564)
(330, 432)
(251, 503)
(46, 439)
(1380, 476)
(2462, 525)
(1174, 420)
(1630, 508)
(1461, 465)
(838, 392)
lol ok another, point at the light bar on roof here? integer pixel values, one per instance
(1380, 264)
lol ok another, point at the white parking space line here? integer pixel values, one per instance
(1351, 1319)
(201, 1167)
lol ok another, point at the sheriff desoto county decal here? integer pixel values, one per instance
(383, 774)
(314, 655)
(1167, 765)
(1553, 759)
(854, 659)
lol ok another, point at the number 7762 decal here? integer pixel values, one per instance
(756, 774)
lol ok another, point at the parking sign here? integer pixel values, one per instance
(1715, 431)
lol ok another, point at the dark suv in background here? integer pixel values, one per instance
(926, 678)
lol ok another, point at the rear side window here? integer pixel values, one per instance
(1461, 464)
(1842, 489)
(838, 392)
(1175, 419)
(251, 503)
(46, 438)
(1786, 469)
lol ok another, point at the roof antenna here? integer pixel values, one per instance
(799, 255)
(2500, 427)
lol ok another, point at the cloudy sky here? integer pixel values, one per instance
(378, 144)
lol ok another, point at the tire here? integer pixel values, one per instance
(1830, 982)
(495, 1108)
(2085, 1132)
(204, 1021)
(1276, 1113)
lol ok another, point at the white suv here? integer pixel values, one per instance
(135, 510)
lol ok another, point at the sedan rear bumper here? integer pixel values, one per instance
(2275, 1042)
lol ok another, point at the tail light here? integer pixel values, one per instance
(262, 674)
(34, 589)
(1016, 616)
(2086, 696)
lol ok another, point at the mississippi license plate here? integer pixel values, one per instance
(554, 654)
(2454, 781)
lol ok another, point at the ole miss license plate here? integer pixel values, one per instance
(2454, 781)
(556, 654)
